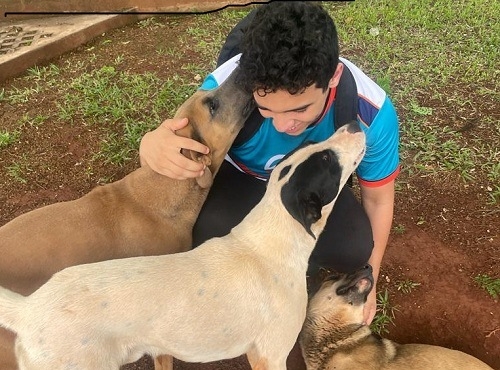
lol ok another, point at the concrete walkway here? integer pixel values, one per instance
(28, 42)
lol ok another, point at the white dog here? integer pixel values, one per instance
(241, 293)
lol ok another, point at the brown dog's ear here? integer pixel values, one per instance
(205, 180)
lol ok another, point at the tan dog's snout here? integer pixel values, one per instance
(220, 114)
(360, 282)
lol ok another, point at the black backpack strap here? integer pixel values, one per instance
(346, 100)
(346, 103)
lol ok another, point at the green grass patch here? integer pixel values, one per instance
(491, 285)
(441, 52)
(406, 286)
(19, 169)
(445, 52)
(8, 137)
(127, 104)
(385, 314)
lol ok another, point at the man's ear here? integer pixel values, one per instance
(334, 81)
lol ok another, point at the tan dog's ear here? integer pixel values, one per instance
(206, 180)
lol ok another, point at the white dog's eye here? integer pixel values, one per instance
(325, 157)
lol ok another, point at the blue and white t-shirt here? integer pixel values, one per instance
(376, 115)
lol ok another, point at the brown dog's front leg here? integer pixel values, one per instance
(164, 362)
(7, 356)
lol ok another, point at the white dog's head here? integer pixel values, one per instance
(312, 176)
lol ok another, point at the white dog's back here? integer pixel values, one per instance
(128, 300)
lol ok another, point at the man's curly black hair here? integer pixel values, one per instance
(289, 46)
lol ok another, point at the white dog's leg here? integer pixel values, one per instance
(258, 362)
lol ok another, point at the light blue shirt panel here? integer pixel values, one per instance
(382, 145)
(265, 149)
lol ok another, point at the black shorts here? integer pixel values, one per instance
(344, 246)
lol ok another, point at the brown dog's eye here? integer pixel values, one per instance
(213, 105)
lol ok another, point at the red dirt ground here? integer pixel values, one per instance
(457, 241)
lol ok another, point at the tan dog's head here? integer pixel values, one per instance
(341, 298)
(334, 313)
(215, 118)
(310, 178)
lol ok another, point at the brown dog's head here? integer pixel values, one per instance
(341, 298)
(215, 118)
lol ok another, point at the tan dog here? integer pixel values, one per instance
(333, 336)
(241, 293)
(142, 214)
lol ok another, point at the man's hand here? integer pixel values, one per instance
(370, 306)
(160, 149)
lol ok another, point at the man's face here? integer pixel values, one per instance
(292, 114)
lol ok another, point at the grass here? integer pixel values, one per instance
(491, 285)
(406, 286)
(411, 51)
(8, 137)
(414, 53)
(128, 104)
(19, 169)
(385, 314)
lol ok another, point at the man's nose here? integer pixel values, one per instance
(282, 123)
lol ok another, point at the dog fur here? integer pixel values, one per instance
(333, 336)
(241, 293)
(142, 214)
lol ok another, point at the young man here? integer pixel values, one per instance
(290, 62)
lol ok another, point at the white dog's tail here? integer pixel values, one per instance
(10, 305)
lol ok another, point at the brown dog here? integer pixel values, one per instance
(142, 214)
(241, 293)
(333, 336)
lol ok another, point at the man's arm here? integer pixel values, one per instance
(378, 203)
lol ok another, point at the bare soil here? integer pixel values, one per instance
(448, 234)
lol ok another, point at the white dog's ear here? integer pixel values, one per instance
(304, 206)
(310, 209)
